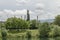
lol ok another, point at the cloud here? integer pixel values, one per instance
(40, 5)
(45, 9)
(22, 12)
(7, 4)
(10, 13)
(22, 2)
(18, 13)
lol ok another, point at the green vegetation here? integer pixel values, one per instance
(57, 20)
(55, 31)
(4, 34)
(28, 34)
(44, 30)
(16, 27)
(34, 24)
(16, 23)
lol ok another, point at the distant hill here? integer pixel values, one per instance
(2, 21)
(47, 20)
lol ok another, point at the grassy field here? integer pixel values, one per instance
(0, 33)
(34, 33)
(21, 34)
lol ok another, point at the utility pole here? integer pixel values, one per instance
(24, 17)
(21, 17)
(37, 18)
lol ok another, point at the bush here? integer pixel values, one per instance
(28, 34)
(57, 20)
(44, 30)
(55, 31)
(4, 33)
(34, 24)
(15, 23)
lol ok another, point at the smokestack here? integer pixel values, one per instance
(21, 17)
(37, 18)
(24, 17)
(28, 15)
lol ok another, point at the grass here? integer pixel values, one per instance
(0, 39)
(19, 34)
(0, 32)
(34, 33)
(23, 33)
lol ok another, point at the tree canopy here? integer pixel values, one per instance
(34, 24)
(57, 20)
(16, 23)
(44, 29)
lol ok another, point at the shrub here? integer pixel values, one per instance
(28, 34)
(4, 33)
(57, 20)
(34, 24)
(15, 23)
(55, 31)
(44, 30)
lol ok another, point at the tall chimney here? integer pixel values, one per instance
(37, 18)
(28, 15)
(24, 17)
(21, 17)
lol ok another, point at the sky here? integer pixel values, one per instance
(44, 9)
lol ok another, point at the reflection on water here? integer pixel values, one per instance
(4, 38)
(43, 39)
(20, 38)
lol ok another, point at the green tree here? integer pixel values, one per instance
(55, 31)
(44, 29)
(57, 20)
(16, 23)
(34, 24)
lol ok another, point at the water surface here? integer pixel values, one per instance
(21, 38)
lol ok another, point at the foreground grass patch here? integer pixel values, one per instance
(22, 33)
(34, 32)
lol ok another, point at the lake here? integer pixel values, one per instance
(19, 38)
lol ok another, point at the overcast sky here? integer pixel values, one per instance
(45, 9)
